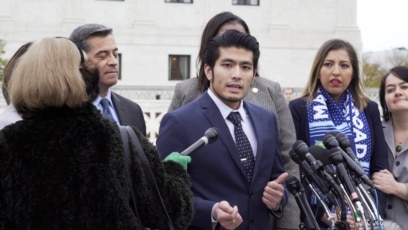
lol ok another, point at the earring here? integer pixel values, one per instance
(254, 89)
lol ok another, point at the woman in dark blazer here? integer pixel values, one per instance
(334, 101)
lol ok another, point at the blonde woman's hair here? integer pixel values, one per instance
(8, 69)
(48, 75)
(355, 87)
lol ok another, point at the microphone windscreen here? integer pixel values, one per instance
(343, 140)
(320, 154)
(211, 134)
(330, 141)
(300, 148)
(294, 156)
(333, 133)
(293, 184)
(335, 156)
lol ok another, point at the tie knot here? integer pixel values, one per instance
(235, 118)
(105, 103)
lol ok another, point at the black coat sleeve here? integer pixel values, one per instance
(173, 183)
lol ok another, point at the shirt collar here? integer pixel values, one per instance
(99, 98)
(224, 109)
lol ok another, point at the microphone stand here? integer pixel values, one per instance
(350, 204)
(336, 157)
(376, 221)
(342, 224)
(296, 188)
(326, 209)
(368, 216)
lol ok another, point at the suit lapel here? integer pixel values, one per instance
(214, 117)
(120, 109)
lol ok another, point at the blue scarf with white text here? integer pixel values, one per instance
(325, 115)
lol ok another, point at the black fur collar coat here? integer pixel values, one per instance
(62, 168)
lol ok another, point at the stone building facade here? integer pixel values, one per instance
(154, 34)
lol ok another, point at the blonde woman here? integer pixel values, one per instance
(61, 167)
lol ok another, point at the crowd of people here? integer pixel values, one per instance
(62, 157)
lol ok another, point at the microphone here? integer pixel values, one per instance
(301, 148)
(328, 175)
(337, 159)
(321, 154)
(331, 142)
(297, 190)
(210, 136)
(308, 172)
(344, 143)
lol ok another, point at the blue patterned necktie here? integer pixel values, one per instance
(243, 145)
(105, 110)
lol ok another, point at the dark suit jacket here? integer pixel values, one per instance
(129, 112)
(216, 171)
(378, 159)
(269, 96)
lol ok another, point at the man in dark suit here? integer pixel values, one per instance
(231, 190)
(100, 47)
